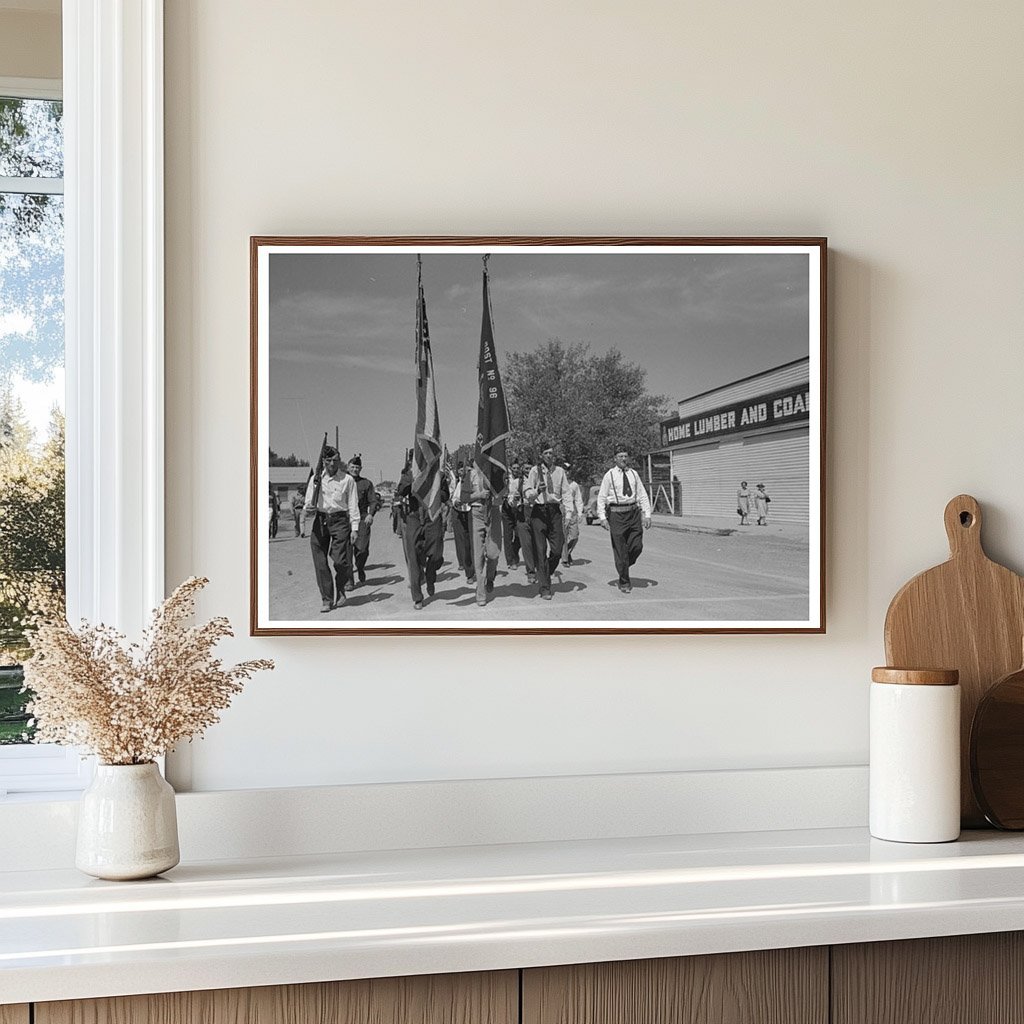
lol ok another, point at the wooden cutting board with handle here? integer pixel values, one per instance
(967, 614)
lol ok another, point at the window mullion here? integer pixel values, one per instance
(32, 186)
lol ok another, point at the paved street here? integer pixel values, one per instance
(751, 574)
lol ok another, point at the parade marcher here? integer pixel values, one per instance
(485, 526)
(547, 495)
(334, 503)
(369, 505)
(396, 518)
(572, 521)
(460, 488)
(761, 501)
(510, 515)
(298, 500)
(422, 537)
(621, 502)
(516, 501)
(743, 503)
(274, 509)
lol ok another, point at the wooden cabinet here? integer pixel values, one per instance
(491, 998)
(963, 979)
(777, 986)
(971, 979)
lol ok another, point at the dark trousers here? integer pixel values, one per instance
(627, 530)
(329, 540)
(510, 536)
(360, 549)
(524, 531)
(462, 523)
(423, 542)
(548, 538)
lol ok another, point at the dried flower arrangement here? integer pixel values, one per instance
(129, 704)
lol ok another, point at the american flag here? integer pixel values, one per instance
(426, 468)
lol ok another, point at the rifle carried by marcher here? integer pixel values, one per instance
(318, 476)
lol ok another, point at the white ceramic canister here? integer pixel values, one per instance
(915, 755)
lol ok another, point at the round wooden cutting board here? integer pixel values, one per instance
(967, 614)
(997, 752)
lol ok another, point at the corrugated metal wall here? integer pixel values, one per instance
(763, 384)
(709, 475)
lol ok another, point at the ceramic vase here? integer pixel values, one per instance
(127, 825)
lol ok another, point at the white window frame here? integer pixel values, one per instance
(114, 336)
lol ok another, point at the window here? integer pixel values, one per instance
(32, 534)
(31, 381)
(113, 335)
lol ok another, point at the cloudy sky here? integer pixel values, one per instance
(342, 331)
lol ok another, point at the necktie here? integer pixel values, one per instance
(466, 490)
(521, 499)
(626, 489)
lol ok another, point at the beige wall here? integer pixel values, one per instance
(894, 129)
(29, 44)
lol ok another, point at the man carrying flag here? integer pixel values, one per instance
(489, 477)
(423, 535)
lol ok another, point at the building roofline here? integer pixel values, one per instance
(740, 380)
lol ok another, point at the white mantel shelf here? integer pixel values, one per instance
(226, 924)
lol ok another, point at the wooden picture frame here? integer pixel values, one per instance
(704, 358)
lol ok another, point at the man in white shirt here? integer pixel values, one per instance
(547, 495)
(621, 502)
(333, 502)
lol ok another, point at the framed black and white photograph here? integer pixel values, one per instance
(537, 435)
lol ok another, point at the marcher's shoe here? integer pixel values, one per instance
(417, 606)
(625, 587)
(471, 580)
(481, 601)
(531, 577)
(430, 589)
(340, 601)
(545, 595)
(327, 607)
(350, 585)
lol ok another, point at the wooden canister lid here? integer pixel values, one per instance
(916, 676)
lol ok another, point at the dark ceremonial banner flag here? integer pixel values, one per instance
(426, 468)
(492, 428)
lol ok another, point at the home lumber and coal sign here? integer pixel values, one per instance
(777, 409)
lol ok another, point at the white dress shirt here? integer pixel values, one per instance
(575, 498)
(455, 486)
(556, 491)
(337, 494)
(611, 493)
